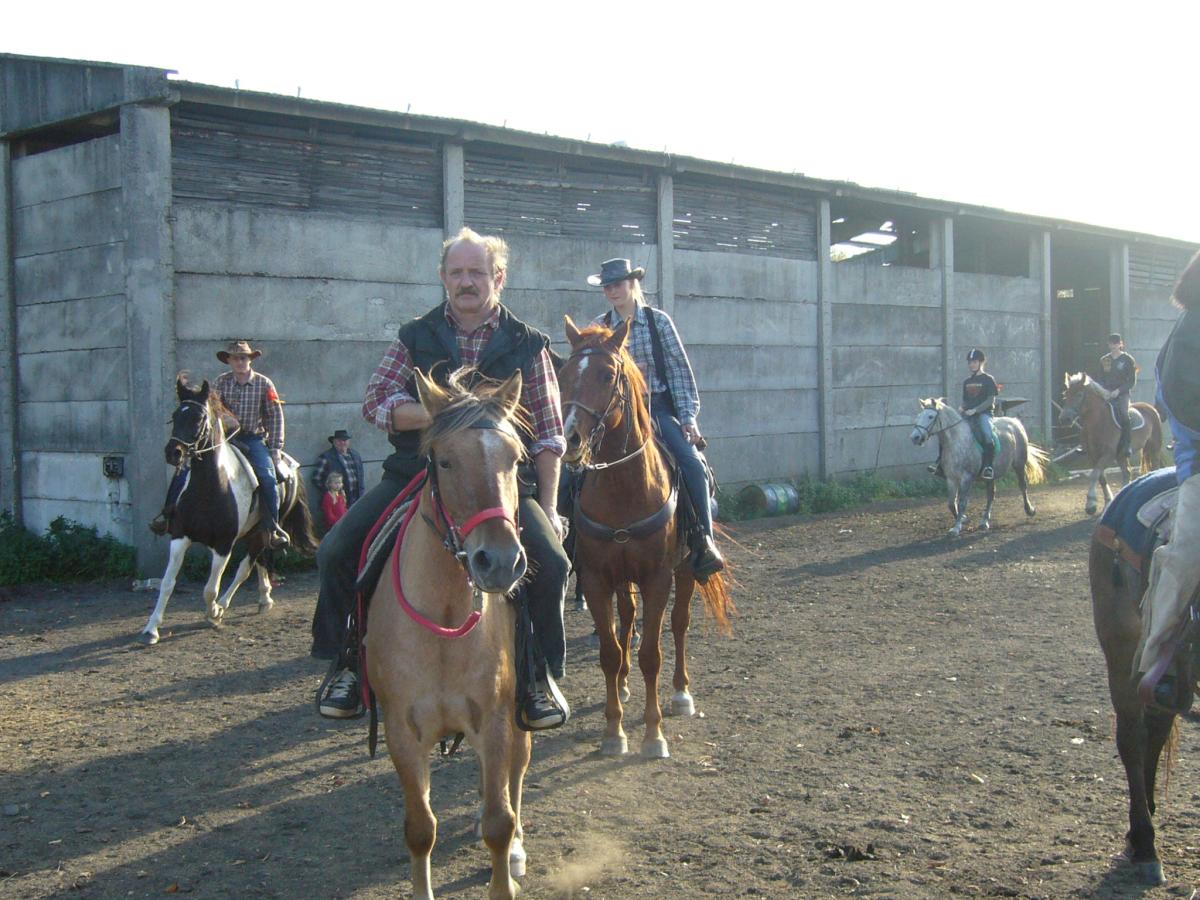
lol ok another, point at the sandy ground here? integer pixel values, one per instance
(898, 714)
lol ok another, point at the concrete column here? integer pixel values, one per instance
(825, 340)
(150, 315)
(10, 445)
(941, 257)
(666, 244)
(1118, 289)
(1039, 270)
(453, 188)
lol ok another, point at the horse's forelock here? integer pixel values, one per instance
(594, 336)
(468, 406)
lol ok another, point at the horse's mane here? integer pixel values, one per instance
(216, 405)
(595, 335)
(469, 405)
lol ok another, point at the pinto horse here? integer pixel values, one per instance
(962, 458)
(626, 529)
(1083, 404)
(218, 505)
(436, 664)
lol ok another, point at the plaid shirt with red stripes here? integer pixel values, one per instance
(256, 406)
(389, 385)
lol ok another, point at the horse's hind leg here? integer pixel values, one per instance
(1023, 484)
(179, 547)
(213, 609)
(265, 600)
(242, 573)
(627, 613)
(986, 522)
(682, 703)
(963, 492)
(654, 609)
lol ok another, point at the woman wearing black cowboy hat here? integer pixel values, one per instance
(674, 399)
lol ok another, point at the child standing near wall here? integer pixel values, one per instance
(333, 504)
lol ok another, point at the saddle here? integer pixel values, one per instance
(1139, 518)
(1136, 420)
(288, 467)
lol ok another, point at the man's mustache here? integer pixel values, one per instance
(467, 292)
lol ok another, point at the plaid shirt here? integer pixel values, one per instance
(389, 386)
(256, 406)
(679, 370)
(349, 471)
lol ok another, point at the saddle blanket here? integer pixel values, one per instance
(380, 547)
(1139, 516)
(1136, 420)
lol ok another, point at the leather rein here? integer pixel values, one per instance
(620, 395)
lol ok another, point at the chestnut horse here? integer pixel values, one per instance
(626, 529)
(437, 665)
(1083, 404)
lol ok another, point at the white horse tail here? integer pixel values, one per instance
(1035, 463)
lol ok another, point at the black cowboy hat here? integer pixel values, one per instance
(242, 348)
(614, 270)
(340, 435)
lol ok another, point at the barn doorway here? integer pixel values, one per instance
(1081, 311)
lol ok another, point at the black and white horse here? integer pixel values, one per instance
(219, 504)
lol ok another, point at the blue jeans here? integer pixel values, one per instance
(260, 461)
(691, 464)
(982, 426)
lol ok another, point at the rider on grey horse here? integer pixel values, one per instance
(1118, 377)
(979, 396)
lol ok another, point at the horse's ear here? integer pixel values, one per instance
(432, 397)
(573, 333)
(181, 387)
(203, 395)
(509, 393)
(619, 336)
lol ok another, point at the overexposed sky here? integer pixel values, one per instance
(1079, 111)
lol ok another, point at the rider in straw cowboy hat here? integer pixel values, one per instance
(674, 399)
(254, 403)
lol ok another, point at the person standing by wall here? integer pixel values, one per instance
(340, 458)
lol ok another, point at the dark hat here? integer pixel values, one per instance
(614, 270)
(340, 435)
(239, 347)
(978, 354)
(1115, 338)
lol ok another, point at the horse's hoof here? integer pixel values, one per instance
(1031, 511)
(1150, 872)
(266, 607)
(614, 746)
(216, 620)
(1090, 509)
(681, 705)
(516, 858)
(148, 638)
(655, 749)
(985, 526)
(623, 693)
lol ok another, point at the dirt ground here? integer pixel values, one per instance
(898, 714)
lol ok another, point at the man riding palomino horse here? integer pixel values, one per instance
(472, 329)
(1118, 376)
(655, 346)
(255, 406)
(979, 398)
(1175, 567)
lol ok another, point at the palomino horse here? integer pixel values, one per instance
(626, 529)
(436, 665)
(1082, 403)
(1145, 734)
(218, 505)
(962, 458)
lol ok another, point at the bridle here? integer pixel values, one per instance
(1075, 407)
(929, 431)
(621, 397)
(453, 538)
(192, 449)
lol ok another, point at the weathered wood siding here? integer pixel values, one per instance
(69, 279)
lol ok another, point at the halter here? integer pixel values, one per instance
(600, 429)
(453, 538)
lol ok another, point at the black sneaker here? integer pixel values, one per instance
(338, 697)
(707, 561)
(544, 707)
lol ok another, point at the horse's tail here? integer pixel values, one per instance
(1152, 450)
(298, 521)
(1035, 463)
(718, 602)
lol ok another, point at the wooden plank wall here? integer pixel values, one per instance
(69, 280)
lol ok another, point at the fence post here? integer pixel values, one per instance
(666, 243)
(453, 188)
(825, 340)
(10, 440)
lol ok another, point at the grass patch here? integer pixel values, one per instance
(67, 551)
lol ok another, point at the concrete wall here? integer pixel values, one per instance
(1002, 316)
(69, 288)
(1151, 318)
(887, 354)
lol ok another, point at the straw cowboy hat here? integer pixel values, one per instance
(241, 348)
(614, 270)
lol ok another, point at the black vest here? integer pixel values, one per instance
(433, 349)
(1178, 369)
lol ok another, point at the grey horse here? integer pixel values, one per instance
(962, 459)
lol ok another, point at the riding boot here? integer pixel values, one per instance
(987, 473)
(706, 559)
(162, 522)
(935, 467)
(276, 536)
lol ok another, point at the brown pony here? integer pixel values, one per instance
(1082, 403)
(1144, 734)
(626, 529)
(437, 665)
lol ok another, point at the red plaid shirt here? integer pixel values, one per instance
(389, 385)
(256, 406)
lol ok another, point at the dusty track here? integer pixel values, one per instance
(938, 705)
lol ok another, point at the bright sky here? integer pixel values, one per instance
(1072, 110)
